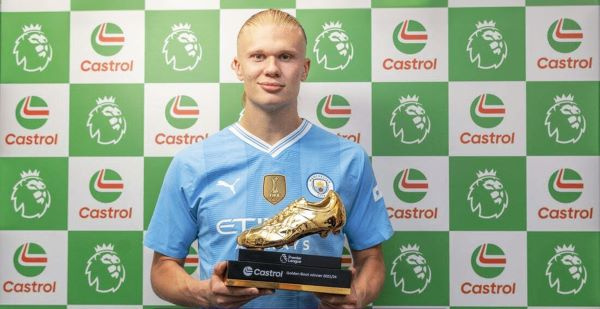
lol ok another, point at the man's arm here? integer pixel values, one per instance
(171, 283)
(369, 273)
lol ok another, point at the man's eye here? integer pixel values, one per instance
(258, 57)
(285, 57)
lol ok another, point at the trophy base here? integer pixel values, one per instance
(278, 274)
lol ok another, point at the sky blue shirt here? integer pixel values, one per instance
(213, 190)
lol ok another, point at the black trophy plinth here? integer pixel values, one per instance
(288, 271)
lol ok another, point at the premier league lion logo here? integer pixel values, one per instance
(566, 272)
(181, 48)
(410, 121)
(105, 122)
(564, 120)
(333, 47)
(411, 271)
(104, 269)
(30, 196)
(487, 195)
(32, 50)
(486, 46)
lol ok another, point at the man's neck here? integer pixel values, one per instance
(270, 126)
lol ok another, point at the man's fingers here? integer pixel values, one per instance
(220, 269)
(239, 291)
(336, 300)
(234, 297)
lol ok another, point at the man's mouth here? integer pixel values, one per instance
(270, 86)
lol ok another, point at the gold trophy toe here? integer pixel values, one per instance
(299, 219)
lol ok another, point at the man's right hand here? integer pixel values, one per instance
(171, 283)
(224, 296)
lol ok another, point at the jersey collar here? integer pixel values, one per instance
(277, 148)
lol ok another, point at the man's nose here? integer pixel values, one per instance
(272, 67)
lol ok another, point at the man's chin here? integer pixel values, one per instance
(271, 103)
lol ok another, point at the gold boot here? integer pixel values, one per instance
(300, 218)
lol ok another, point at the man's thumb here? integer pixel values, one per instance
(220, 269)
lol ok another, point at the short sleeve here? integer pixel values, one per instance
(367, 223)
(173, 225)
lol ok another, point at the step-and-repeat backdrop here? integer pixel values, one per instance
(481, 118)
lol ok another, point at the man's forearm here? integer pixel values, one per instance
(171, 283)
(370, 274)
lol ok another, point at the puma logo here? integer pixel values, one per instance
(230, 186)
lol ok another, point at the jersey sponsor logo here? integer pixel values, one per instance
(106, 185)
(274, 188)
(564, 36)
(410, 185)
(333, 111)
(487, 195)
(190, 264)
(30, 260)
(107, 40)
(106, 122)
(488, 261)
(333, 47)
(565, 121)
(487, 111)
(234, 226)
(410, 122)
(487, 47)
(318, 184)
(227, 185)
(410, 270)
(32, 49)
(32, 113)
(30, 195)
(104, 270)
(409, 37)
(566, 271)
(181, 48)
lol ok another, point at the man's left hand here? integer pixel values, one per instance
(334, 301)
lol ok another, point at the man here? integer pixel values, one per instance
(214, 190)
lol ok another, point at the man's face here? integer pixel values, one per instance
(271, 62)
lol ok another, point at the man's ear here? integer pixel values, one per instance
(306, 69)
(237, 68)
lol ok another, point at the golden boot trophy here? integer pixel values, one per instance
(290, 271)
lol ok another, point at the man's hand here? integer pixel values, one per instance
(171, 283)
(333, 301)
(367, 281)
(224, 296)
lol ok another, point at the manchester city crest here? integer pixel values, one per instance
(318, 184)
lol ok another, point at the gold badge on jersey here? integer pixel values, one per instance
(274, 188)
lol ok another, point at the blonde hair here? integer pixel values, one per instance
(275, 16)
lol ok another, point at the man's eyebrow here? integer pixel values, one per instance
(262, 51)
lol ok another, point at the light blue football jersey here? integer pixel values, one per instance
(215, 189)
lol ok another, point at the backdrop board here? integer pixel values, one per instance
(480, 117)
